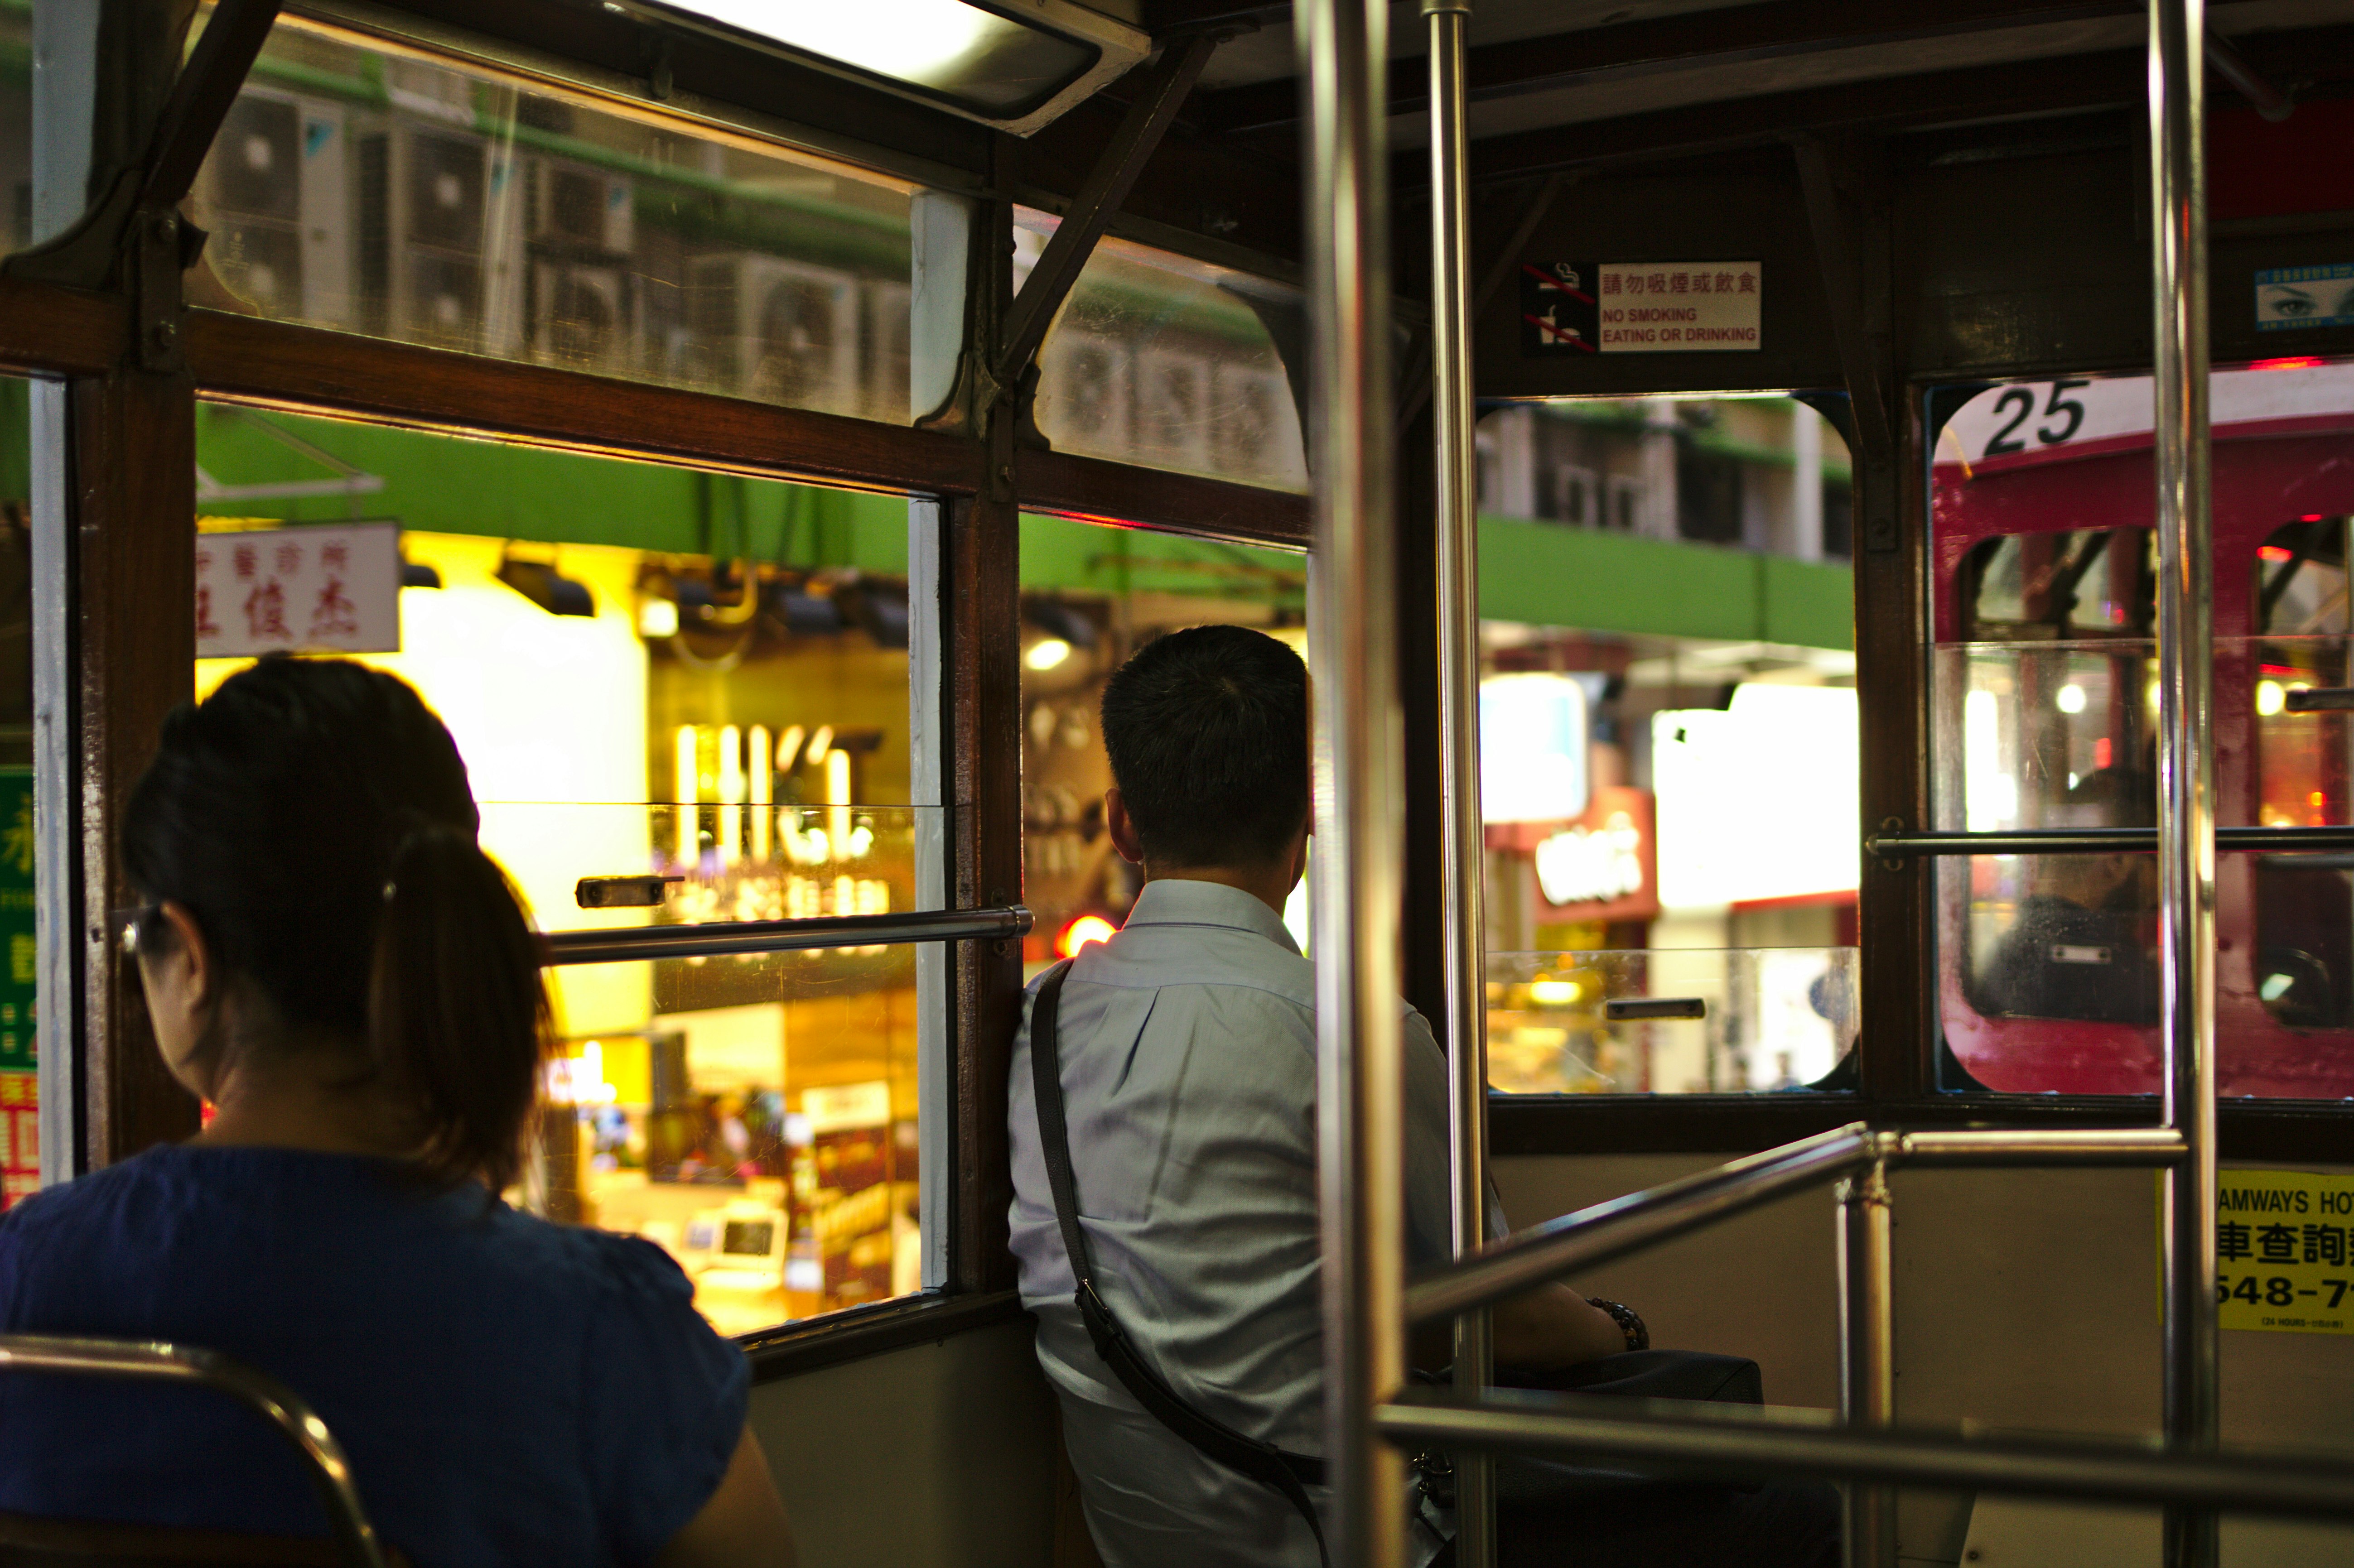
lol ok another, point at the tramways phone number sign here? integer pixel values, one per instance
(1638, 307)
(2285, 1252)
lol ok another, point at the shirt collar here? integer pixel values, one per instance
(1173, 901)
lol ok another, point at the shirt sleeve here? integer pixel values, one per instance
(666, 1402)
(1429, 1224)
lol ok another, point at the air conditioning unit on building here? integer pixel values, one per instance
(433, 217)
(1172, 408)
(574, 207)
(778, 330)
(1255, 427)
(583, 316)
(1083, 394)
(275, 195)
(885, 350)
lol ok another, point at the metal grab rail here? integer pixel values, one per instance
(331, 1473)
(2101, 840)
(726, 940)
(1794, 1443)
(1640, 1220)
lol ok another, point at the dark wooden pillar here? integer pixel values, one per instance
(132, 487)
(980, 612)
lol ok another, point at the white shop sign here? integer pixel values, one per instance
(320, 589)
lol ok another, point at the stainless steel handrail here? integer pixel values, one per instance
(1464, 841)
(624, 943)
(331, 1473)
(1641, 1220)
(1792, 1443)
(2101, 841)
(1358, 761)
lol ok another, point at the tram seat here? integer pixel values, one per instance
(28, 1540)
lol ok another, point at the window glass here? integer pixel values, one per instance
(1168, 362)
(1090, 596)
(2045, 686)
(1668, 747)
(382, 193)
(1675, 1021)
(15, 126)
(20, 1133)
(649, 671)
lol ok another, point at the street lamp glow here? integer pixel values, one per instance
(2070, 698)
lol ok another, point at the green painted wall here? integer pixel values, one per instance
(1547, 574)
(1540, 573)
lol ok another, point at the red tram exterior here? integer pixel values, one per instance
(2024, 477)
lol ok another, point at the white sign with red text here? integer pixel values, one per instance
(316, 589)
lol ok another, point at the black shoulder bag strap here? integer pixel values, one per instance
(1290, 1474)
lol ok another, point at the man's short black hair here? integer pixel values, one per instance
(1207, 731)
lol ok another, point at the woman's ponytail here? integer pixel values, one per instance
(457, 1014)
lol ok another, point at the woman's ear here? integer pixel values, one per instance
(181, 978)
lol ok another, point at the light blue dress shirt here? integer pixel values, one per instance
(1187, 1044)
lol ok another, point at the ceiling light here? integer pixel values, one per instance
(1046, 653)
(658, 618)
(1016, 67)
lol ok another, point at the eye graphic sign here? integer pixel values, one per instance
(2288, 298)
(1571, 308)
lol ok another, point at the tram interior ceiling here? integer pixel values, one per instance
(771, 453)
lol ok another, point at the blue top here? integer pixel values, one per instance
(509, 1391)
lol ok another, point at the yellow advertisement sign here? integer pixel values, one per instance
(2285, 1252)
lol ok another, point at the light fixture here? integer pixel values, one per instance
(2070, 698)
(545, 587)
(1013, 66)
(1046, 653)
(658, 618)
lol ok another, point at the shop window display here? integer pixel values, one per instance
(1091, 596)
(654, 673)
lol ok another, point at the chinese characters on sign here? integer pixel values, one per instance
(2282, 1244)
(1638, 307)
(328, 589)
(1602, 865)
(20, 1141)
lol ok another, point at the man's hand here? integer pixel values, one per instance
(1553, 1327)
(1547, 1328)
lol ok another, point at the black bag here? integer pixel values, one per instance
(1289, 1473)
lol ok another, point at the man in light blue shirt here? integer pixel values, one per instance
(1187, 1053)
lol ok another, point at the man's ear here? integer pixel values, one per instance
(1122, 829)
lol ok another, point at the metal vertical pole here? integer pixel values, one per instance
(1465, 846)
(1867, 1357)
(2186, 803)
(1358, 760)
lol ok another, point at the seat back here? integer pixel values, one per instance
(26, 1540)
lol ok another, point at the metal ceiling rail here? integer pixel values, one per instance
(1789, 1443)
(729, 939)
(2101, 840)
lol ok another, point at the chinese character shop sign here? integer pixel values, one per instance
(1638, 307)
(325, 590)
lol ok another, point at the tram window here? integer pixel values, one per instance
(2095, 582)
(647, 670)
(379, 192)
(20, 1138)
(1169, 363)
(2045, 700)
(17, 221)
(1091, 596)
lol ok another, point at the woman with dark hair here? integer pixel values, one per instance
(331, 960)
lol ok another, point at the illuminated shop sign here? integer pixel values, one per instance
(1601, 866)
